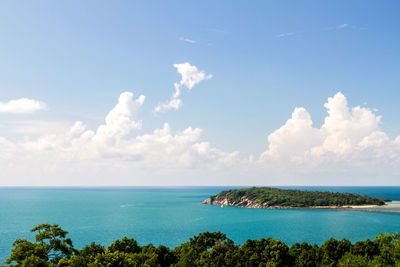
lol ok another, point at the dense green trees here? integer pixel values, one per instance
(49, 247)
(294, 198)
(52, 248)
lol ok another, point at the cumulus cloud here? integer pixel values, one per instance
(115, 145)
(121, 119)
(349, 137)
(190, 77)
(296, 136)
(21, 106)
(15, 128)
(350, 143)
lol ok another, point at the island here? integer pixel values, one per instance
(276, 198)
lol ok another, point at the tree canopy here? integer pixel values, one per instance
(271, 197)
(52, 248)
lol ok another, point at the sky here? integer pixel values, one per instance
(158, 93)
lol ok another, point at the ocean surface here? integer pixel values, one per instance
(170, 216)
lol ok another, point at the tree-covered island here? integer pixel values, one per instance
(275, 198)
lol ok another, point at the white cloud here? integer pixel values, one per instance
(190, 77)
(121, 119)
(287, 34)
(187, 40)
(115, 145)
(296, 136)
(10, 129)
(348, 148)
(77, 129)
(349, 138)
(174, 103)
(21, 106)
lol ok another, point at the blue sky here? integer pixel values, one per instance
(265, 57)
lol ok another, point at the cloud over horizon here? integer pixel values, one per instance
(350, 138)
(22, 106)
(350, 142)
(115, 144)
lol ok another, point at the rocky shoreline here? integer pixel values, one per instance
(246, 203)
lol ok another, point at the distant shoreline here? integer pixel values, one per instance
(364, 208)
(370, 210)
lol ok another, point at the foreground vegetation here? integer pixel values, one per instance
(53, 248)
(274, 197)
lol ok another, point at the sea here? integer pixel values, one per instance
(171, 215)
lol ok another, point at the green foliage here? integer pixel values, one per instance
(195, 251)
(354, 260)
(224, 253)
(91, 250)
(365, 248)
(128, 245)
(296, 198)
(265, 252)
(51, 248)
(33, 260)
(333, 250)
(304, 254)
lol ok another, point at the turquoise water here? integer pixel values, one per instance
(169, 216)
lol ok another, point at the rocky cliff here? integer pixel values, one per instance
(243, 202)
